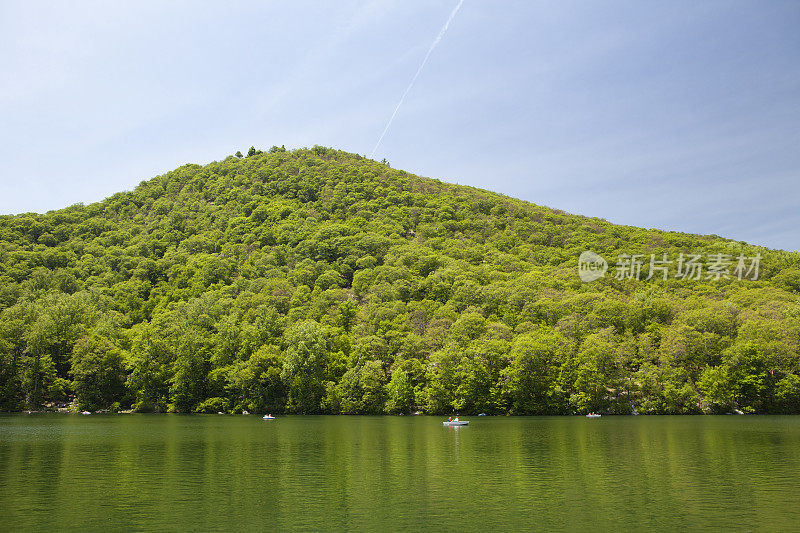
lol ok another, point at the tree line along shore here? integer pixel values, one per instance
(318, 281)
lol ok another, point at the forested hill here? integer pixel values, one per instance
(317, 281)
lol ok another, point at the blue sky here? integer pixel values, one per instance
(673, 115)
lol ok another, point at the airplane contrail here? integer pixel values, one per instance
(422, 65)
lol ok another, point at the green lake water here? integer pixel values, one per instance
(173, 472)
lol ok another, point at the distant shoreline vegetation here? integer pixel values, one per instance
(318, 281)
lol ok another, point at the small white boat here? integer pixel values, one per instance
(86, 413)
(456, 422)
(593, 415)
(267, 417)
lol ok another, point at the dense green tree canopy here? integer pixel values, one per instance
(316, 281)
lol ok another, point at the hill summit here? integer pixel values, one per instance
(318, 281)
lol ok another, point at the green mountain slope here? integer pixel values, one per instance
(320, 281)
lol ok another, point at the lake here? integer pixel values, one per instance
(215, 472)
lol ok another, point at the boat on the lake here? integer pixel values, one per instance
(593, 415)
(456, 422)
(86, 413)
(267, 417)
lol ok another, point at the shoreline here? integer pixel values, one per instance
(259, 415)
